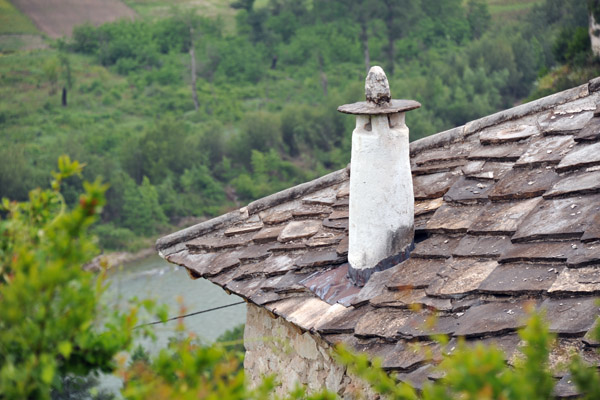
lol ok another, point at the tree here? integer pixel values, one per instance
(48, 319)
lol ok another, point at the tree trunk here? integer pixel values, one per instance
(364, 38)
(64, 96)
(193, 70)
(594, 32)
(390, 50)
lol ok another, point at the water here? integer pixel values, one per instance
(154, 278)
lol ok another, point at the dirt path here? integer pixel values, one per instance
(57, 18)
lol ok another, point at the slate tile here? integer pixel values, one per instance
(254, 253)
(406, 356)
(421, 223)
(468, 191)
(248, 271)
(261, 298)
(321, 258)
(304, 312)
(246, 228)
(523, 183)
(512, 279)
(592, 232)
(582, 155)
(414, 273)
(487, 170)
(341, 204)
(418, 377)
(299, 230)
(340, 319)
(481, 246)
(433, 186)
(322, 282)
(546, 150)
(565, 388)
(339, 215)
(428, 206)
(583, 255)
(503, 152)
(503, 218)
(410, 298)
(342, 248)
(453, 219)
(246, 288)
(323, 239)
(266, 235)
(538, 252)
(277, 264)
(461, 277)
(571, 317)
(218, 243)
(339, 224)
(310, 212)
(584, 183)
(223, 278)
(509, 343)
(563, 124)
(197, 264)
(454, 152)
(344, 190)
(436, 246)
(558, 219)
(492, 319)
(381, 322)
(511, 133)
(571, 281)
(288, 283)
(322, 199)
(590, 338)
(277, 217)
(374, 286)
(224, 262)
(422, 326)
(591, 131)
(286, 247)
(441, 167)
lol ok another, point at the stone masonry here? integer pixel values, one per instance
(273, 344)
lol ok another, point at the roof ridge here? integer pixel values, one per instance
(436, 140)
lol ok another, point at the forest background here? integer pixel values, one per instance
(188, 115)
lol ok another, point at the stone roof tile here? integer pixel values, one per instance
(582, 155)
(546, 150)
(523, 183)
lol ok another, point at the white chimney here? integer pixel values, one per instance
(381, 229)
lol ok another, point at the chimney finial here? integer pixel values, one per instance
(377, 88)
(381, 206)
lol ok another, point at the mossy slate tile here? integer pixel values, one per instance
(481, 246)
(571, 316)
(492, 319)
(578, 184)
(460, 277)
(582, 155)
(453, 219)
(502, 218)
(559, 219)
(572, 281)
(413, 273)
(468, 191)
(523, 183)
(546, 150)
(520, 279)
(563, 124)
(436, 246)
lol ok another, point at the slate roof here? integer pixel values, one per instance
(507, 217)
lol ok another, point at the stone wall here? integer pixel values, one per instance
(275, 346)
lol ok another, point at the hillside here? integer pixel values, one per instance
(268, 83)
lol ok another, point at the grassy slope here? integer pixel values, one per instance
(506, 10)
(12, 21)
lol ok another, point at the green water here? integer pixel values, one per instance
(154, 278)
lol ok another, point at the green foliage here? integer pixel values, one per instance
(233, 339)
(141, 211)
(48, 325)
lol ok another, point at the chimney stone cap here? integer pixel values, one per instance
(379, 100)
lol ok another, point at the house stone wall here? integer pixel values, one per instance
(275, 346)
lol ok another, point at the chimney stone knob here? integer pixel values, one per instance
(377, 88)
